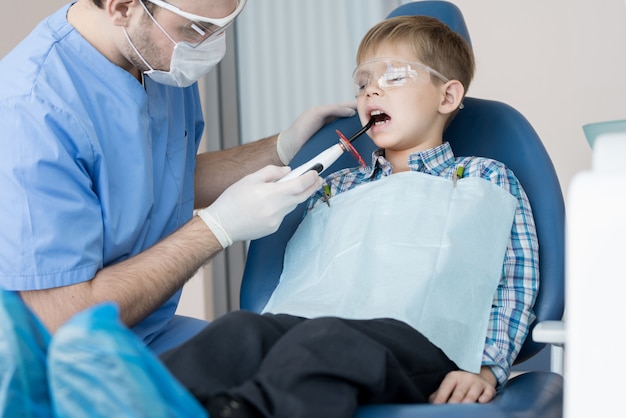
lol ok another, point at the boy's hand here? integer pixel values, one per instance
(466, 387)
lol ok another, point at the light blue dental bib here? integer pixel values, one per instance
(411, 246)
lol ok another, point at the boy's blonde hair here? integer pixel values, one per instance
(432, 41)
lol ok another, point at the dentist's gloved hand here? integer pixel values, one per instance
(307, 124)
(256, 205)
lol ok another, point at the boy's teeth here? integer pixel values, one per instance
(379, 117)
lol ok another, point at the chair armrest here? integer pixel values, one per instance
(553, 333)
(550, 332)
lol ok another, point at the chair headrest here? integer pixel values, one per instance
(446, 12)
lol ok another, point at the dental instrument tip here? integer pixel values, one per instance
(362, 130)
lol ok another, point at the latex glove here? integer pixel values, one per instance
(256, 205)
(307, 124)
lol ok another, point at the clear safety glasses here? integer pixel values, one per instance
(391, 73)
(203, 28)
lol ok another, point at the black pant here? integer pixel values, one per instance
(292, 367)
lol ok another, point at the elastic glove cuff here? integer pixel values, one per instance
(283, 154)
(215, 227)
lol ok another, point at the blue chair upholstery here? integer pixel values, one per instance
(483, 128)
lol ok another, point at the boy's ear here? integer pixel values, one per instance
(453, 92)
(119, 10)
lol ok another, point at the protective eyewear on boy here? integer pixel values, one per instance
(205, 27)
(390, 73)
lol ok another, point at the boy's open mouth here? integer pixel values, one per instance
(379, 117)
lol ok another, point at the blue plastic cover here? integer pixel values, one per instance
(99, 368)
(23, 345)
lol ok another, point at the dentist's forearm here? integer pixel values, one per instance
(139, 285)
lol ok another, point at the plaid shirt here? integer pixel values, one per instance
(511, 312)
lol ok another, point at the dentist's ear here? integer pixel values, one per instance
(453, 92)
(119, 10)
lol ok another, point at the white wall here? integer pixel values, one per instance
(562, 63)
(20, 17)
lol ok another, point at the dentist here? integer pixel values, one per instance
(100, 123)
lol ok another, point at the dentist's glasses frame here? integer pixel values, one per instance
(205, 27)
(390, 73)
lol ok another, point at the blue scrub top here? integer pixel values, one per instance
(93, 167)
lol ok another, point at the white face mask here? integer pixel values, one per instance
(188, 63)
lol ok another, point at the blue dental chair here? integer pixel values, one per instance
(483, 128)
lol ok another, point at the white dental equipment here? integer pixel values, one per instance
(324, 159)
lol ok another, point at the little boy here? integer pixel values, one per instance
(336, 334)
